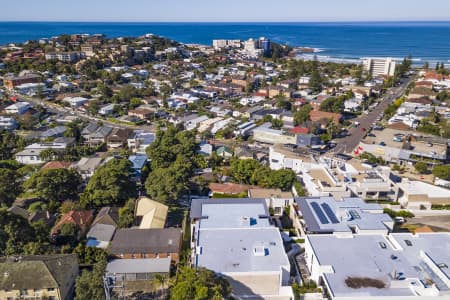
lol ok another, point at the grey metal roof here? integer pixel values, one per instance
(90, 128)
(167, 240)
(58, 130)
(101, 232)
(146, 265)
(197, 203)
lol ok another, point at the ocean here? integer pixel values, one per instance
(424, 41)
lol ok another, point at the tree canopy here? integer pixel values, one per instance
(250, 171)
(199, 284)
(442, 171)
(111, 184)
(89, 285)
(172, 155)
(10, 186)
(55, 184)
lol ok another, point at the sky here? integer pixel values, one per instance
(225, 10)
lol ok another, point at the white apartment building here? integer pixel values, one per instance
(379, 66)
(398, 266)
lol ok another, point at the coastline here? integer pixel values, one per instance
(336, 41)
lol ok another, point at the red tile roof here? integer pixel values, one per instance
(299, 130)
(81, 218)
(57, 165)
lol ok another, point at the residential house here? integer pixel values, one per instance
(108, 216)
(326, 215)
(38, 277)
(242, 246)
(75, 102)
(100, 235)
(147, 243)
(87, 166)
(35, 216)
(134, 272)
(243, 153)
(118, 137)
(205, 149)
(224, 151)
(56, 164)
(380, 266)
(10, 82)
(99, 136)
(141, 113)
(88, 130)
(54, 132)
(150, 214)
(18, 108)
(228, 188)
(137, 164)
(82, 219)
(140, 140)
(107, 109)
(8, 123)
(276, 200)
(32, 153)
(418, 194)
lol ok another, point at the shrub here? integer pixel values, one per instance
(364, 282)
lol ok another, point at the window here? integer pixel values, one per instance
(408, 243)
(382, 245)
(50, 289)
(277, 210)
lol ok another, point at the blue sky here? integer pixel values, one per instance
(225, 10)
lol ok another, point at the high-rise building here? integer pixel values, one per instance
(264, 43)
(379, 66)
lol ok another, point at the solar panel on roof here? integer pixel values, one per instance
(354, 214)
(323, 219)
(330, 213)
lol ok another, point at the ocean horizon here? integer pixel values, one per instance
(423, 40)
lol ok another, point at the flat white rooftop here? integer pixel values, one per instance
(234, 215)
(238, 237)
(242, 250)
(400, 261)
(422, 188)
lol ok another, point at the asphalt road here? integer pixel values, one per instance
(356, 134)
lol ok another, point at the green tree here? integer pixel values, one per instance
(55, 184)
(68, 234)
(90, 284)
(421, 167)
(10, 143)
(15, 233)
(442, 172)
(10, 186)
(111, 184)
(243, 170)
(126, 214)
(199, 284)
(166, 185)
(302, 115)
